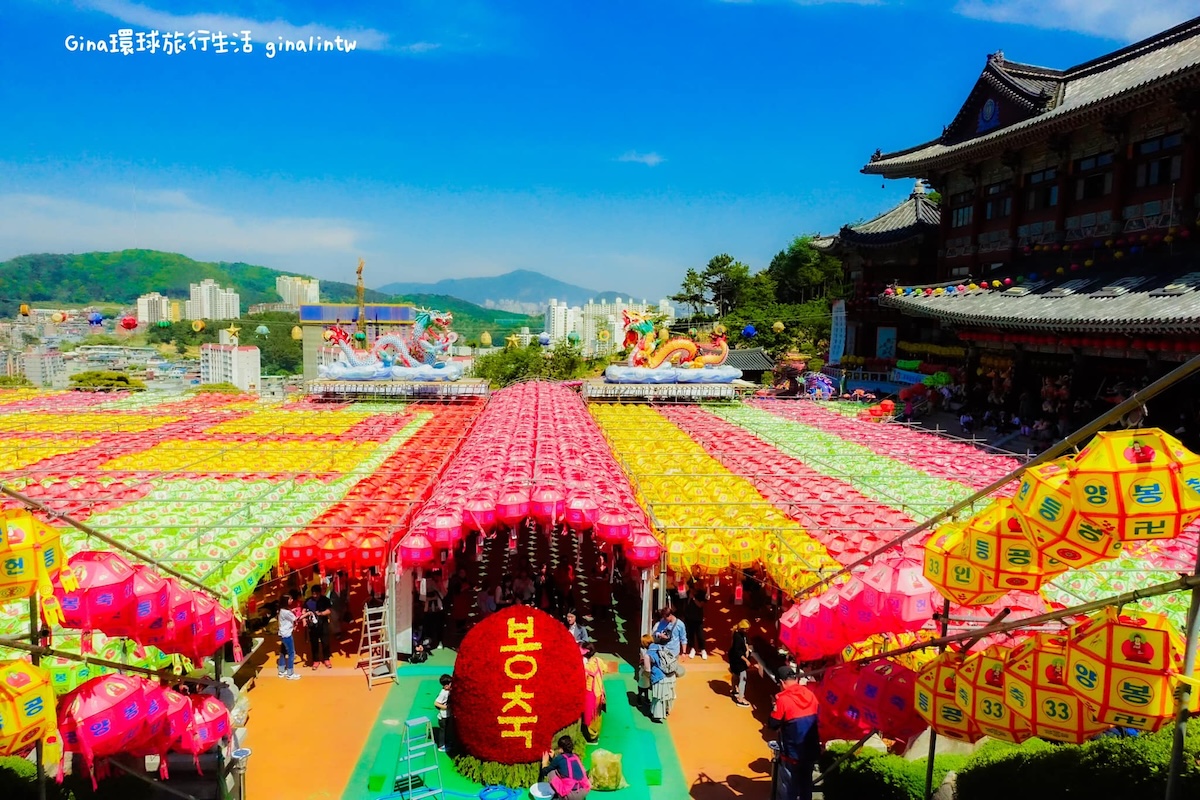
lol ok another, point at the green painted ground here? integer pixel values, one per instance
(647, 749)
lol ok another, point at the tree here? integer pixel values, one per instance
(803, 273)
(7, 381)
(759, 291)
(693, 293)
(105, 381)
(725, 279)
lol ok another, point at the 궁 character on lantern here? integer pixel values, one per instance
(1135, 484)
(937, 699)
(1053, 522)
(26, 709)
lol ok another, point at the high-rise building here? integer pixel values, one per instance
(210, 301)
(152, 308)
(561, 320)
(601, 325)
(298, 291)
(42, 366)
(231, 363)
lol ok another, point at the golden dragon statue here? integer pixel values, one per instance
(653, 348)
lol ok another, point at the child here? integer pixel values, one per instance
(442, 704)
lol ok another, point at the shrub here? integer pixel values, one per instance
(880, 776)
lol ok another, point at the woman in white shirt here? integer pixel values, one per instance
(287, 627)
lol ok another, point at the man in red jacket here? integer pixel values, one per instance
(795, 717)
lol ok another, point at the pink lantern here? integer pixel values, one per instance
(909, 597)
(416, 551)
(152, 599)
(613, 526)
(885, 693)
(183, 618)
(104, 600)
(209, 724)
(789, 627)
(479, 513)
(808, 639)
(204, 644)
(833, 635)
(857, 618)
(838, 712)
(444, 529)
(547, 505)
(298, 550)
(582, 511)
(643, 550)
(154, 738)
(175, 722)
(224, 628)
(512, 507)
(101, 717)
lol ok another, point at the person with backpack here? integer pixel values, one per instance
(564, 771)
(662, 687)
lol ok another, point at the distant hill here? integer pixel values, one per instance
(471, 320)
(522, 291)
(82, 278)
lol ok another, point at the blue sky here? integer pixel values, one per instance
(609, 144)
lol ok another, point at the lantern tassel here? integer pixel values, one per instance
(66, 577)
(237, 642)
(85, 643)
(52, 750)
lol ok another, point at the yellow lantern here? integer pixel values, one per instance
(1125, 665)
(1137, 484)
(778, 327)
(24, 309)
(297, 332)
(998, 544)
(27, 712)
(980, 688)
(952, 574)
(58, 317)
(485, 339)
(681, 553)
(1045, 502)
(744, 552)
(1036, 689)
(198, 325)
(30, 557)
(937, 699)
(712, 558)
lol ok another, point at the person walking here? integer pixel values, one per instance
(321, 609)
(287, 642)
(594, 698)
(795, 717)
(739, 662)
(693, 619)
(577, 631)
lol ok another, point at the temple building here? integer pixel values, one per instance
(1066, 238)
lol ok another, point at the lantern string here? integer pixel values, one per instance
(1136, 400)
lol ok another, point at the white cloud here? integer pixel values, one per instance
(1110, 19)
(261, 30)
(164, 220)
(649, 159)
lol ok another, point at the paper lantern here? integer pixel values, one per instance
(955, 577)
(838, 712)
(744, 552)
(67, 674)
(885, 694)
(24, 309)
(612, 526)
(445, 528)
(998, 545)
(198, 325)
(681, 554)
(129, 323)
(778, 327)
(334, 553)
(581, 511)
(370, 551)
(152, 600)
(26, 708)
(416, 551)
(297, 332)
(1125, 665)
(1137, 484)
(299, 550)
(547, 505)
(899, 593)
(1036, 689)
(479, 512)
(643, 550)
(1045, 502)
(485, 339)
(31, 559)
(104, 599)
(789, 623)
(980, 687)
(937, 699)
(183, 618)
(208, 726)
(512, 507)
(154, 736)
(857, 617)
(204, 643)
(712, 558)
(101, 717)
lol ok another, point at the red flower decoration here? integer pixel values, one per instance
(518, 681)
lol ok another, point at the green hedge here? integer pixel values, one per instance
(18, 781)
(1111, 768)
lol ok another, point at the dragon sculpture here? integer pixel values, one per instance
(655, 350)
(413, 353)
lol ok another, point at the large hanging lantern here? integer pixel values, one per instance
(899, 593)
(102, 717)
(681, 553)
(1036, 689)
(182, 610)
(613, 526)
(744, 552)
(838, 713)
(547, 505)
(937, 699)
(208, 726)
(334, 553)
(370, 551)
(643, 550)
(998, 545)
(949, 570)
(1125, 665)
(26, 708)
(152, 600)
(104, 599)
(299, 550)
(885, 692)
(1054, 523)
(31, 558)
(1137, 484)
(204, 642)
(416, 551)
(980, 687)
(582, 511)
(712, 558)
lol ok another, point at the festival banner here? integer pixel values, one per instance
(837, 334)
(885, 343)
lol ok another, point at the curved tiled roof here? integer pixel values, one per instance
(752, 359)
(1171, 56)
(1105, 302)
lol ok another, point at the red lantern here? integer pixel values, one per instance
(129, 323)
(370, 551)
(479, 512)
(101, 717)
(838, 713)
(299, 550)
(643, 550)
(334, 553)
(204, 643)
(208, 726)
(152, 599)
(613, 526)
(582, 511)
(416, 551)
(513, 506)
(104, 600)
(547, 505)
(444, 529)
(884, 694)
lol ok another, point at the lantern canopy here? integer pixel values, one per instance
(998, 545)
(1037, 692)
(949, 570)
(1135, 484)
(1055, 525)
(1125, 665)
(980, 688)
(937, 699)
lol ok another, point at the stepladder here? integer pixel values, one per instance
(374, 647)
(419, 773)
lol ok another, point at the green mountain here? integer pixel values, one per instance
(87, 278)
(83, 278)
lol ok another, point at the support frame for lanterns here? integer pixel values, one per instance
(404, 391)
(597, 390)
